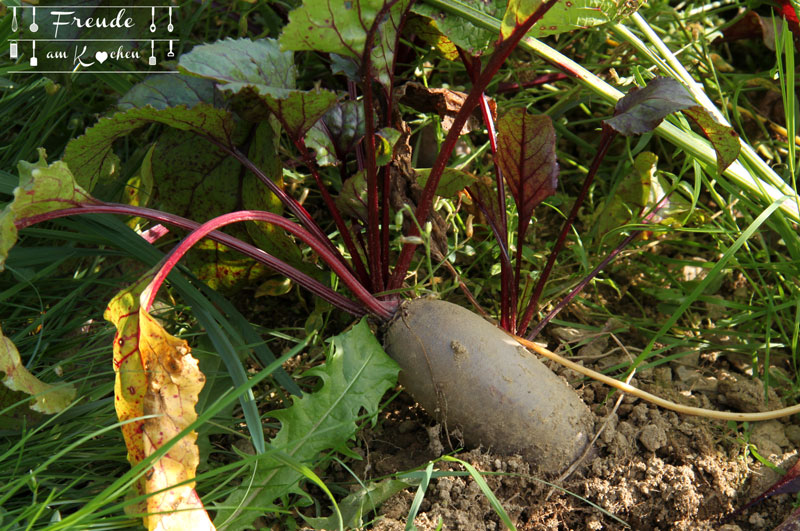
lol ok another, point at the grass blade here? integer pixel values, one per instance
(498, 508)
(418, 497)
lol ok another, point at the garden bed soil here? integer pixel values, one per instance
(649, 468)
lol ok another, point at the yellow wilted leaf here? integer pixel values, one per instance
(47, 398)
(157, 375)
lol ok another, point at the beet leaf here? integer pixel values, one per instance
(352, 200)
(161, 92)
(336, 134)
(41, 189)
(452, 182)
(344, 30)
(455, 30)
(526, 154)
(45, 398)
(263, 79)
(166, 391)
(722, 137)
(92, 160)
(578, 14)
(642, 109)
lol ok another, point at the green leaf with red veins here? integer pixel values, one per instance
(344, 125)
(526, 154)
(641, 110)
(352, 200)
(255, 196)
(485, 196)
(428, 30)
(92, 160)
(451, 183)
(262, 79)
(300, 109)
(386, 41)
(385, 139)
(570, 15)
(199, 182)
(318, 141)
(41, 189)
(517, 12)
(342, 28)
(724, 139)
(470, 38)
(337, 133)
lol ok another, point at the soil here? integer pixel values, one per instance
(649, 469)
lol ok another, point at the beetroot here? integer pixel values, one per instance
(472, 376)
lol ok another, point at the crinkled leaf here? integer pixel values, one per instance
(471, 38)
(357, 506)
(199, 180)
(356, 375)
(526, 154)
(162, 91)
(262, 79)
(385, 139)
(46, 398)
(342, 28)
(92, 159)
(451, 183)
(444, 102)
(255, 196)
(157, 375)
(724, 139)
(41, 189)
(570, 15)
(641, 110)
(352, 200)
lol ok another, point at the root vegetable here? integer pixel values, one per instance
(474, 377)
